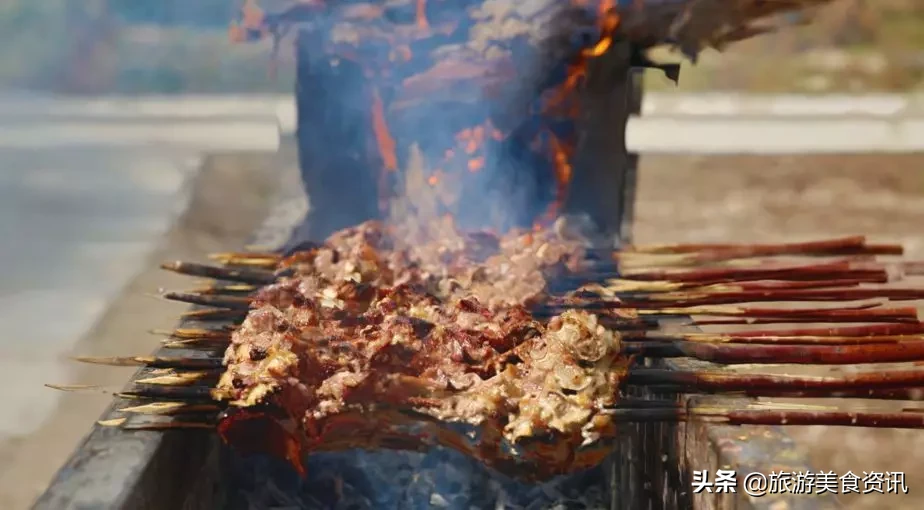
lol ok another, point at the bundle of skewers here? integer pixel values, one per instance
(521, 350)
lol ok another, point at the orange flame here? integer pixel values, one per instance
(421, 16)
(561, 157)
(471, 142)
(383, 138)
(253, 18)
(236, 33)
(387, 150)
(600, 48)
(561, 152)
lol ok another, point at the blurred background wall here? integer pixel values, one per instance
(128, 46)
(170, 46)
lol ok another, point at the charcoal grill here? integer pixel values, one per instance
(651, 469)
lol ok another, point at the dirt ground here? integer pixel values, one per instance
(704, 199)
(229, 201)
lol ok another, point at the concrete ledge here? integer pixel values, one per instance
(766, 135)
(283, 106)
(208, 135)
(653, 134)
(734, 104)
(143, 470)
(149, 107)
(716, 123)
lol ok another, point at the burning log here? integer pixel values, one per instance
(498, 86)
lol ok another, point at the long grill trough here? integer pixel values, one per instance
(461, 320)
(496, 387)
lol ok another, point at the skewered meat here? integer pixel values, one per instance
(345, 316)
(499, 271)
(322, 364)
(542, 390)
(376, 321)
